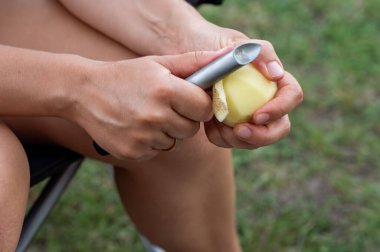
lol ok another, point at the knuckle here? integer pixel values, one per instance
(216, 140)
(129, 152)
(299, 96)
(185, 130)
(164, 91)
(154, 117)
(157, 117)
(267, 45)
(205, 106)
(198, 55)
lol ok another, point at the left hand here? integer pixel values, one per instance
(271, 122)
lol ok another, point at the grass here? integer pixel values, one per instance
(317, 190)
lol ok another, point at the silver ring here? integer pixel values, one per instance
(172, 147)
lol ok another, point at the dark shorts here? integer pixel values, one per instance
(45, 161)
(198, 2)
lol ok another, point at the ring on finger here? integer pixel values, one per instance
(172, 147)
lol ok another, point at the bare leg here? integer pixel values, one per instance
(14, 187)
(188, 195)
(183, 200)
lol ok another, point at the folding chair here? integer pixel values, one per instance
(46, 161)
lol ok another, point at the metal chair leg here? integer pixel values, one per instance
(149, 246)
(44, 204)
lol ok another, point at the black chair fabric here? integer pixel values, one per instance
(46, 160)
(199, 2)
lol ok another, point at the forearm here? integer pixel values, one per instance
(34, 83)
(145, 26)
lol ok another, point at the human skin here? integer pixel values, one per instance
(167, 27)
(14, 186)
(202, 209)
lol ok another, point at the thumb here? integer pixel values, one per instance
(183, 65)
(268, 62)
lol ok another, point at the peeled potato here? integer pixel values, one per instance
(240, 94)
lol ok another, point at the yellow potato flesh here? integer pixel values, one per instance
(246, 91)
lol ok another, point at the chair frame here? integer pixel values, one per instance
(47, 199)
(45, 202)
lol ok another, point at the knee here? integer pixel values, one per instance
(14, 186)
(14, 167)
(194, 155)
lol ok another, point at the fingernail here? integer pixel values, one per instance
(261, 118)
(274, 69)
(244, 132)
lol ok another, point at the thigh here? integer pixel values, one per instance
(46, 25)
(14, 187)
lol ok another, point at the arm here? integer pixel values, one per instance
(147, 27)
(34, 83)
(139, 101)
(172, 26)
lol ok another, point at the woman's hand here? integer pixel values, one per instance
(271, 122)
(135, 108)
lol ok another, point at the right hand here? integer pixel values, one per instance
(135, 108)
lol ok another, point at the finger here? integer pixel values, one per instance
(229, 136)
(183, 65)
(288, 96)
(178, 126)
(267, 62)
(213, 134)
(262, 135)
(136, 151)
(149, 154)
(190, 101)
(163, 142)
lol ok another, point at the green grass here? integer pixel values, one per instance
(317, 190)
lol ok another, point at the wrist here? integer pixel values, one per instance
(68, 97)
(177, 29)
(214, 37)
(37, 83)
(203, 35)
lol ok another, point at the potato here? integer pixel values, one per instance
(240, 94)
